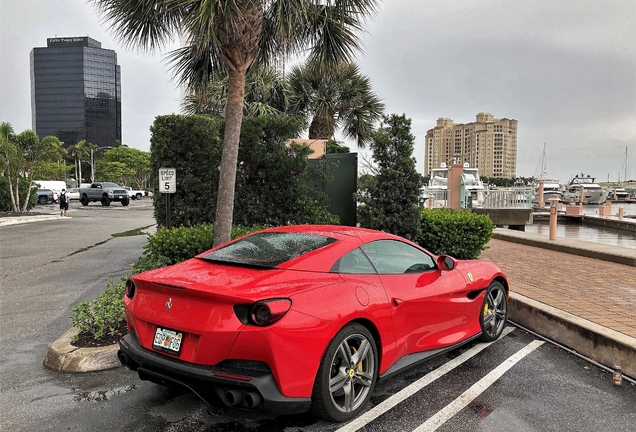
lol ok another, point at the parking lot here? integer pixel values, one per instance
(517, 383)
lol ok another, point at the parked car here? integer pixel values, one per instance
(104, 192)
(133, 193)
(73, 194)
(54, 185)
(295, 317)
(46, 196)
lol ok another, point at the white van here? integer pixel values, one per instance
(55, 185)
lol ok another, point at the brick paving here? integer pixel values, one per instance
(600, 291)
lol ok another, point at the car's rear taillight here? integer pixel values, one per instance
(130, 288)
(267, 312)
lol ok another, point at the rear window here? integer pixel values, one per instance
(268, 249)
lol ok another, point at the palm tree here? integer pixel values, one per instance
(340, 99)
(9, 154)
(265, 93)
(77, 151)
(55, 151)
(232, 35)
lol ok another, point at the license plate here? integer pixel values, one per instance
(167, 340)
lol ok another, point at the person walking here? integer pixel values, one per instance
(63, 199)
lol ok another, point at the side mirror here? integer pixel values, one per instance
(445, 262)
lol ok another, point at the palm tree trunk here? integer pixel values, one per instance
(322, 127)
(227, 180)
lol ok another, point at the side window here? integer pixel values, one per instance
(395, 257)
(355, 262)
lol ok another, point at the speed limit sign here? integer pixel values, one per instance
(167, 180)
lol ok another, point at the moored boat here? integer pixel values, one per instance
(592, 192)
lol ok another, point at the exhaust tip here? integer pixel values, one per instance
(123, 358)
(252, 399)
(233, 397)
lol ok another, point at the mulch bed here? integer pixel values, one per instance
(85, 340)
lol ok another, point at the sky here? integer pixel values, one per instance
(565, 69)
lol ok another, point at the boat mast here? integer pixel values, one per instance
(542, 169)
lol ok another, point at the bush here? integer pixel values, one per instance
(103, 316)
(458, 233)
(192, 145)
(171, 246)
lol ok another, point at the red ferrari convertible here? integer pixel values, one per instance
(301, 317)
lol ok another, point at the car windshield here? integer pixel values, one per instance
(110, 185)
(268, 249)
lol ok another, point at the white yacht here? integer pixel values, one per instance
(617, 194)
(472, 182)
(551, 186)
(592, 192)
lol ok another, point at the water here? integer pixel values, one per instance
(588, 233)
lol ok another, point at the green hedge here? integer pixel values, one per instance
(171, 246)
(458, 233)
(192, 145)
(103, 316)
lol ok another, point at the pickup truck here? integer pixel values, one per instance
(104, 192)
(134, 194)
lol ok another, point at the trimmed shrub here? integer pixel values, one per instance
(273, 182)
(171, 246)
(458, 233)
(192, 145)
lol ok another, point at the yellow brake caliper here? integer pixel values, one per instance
(359, 365)
(486, 309)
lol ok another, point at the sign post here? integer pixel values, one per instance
(168, 185)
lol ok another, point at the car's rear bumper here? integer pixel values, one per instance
(201, 379)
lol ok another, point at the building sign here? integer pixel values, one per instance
(167, 180)
(67, 40)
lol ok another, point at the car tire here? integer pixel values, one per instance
(342, 370)
(125, 202)
(138, 196)
(84, 200)
(493, 312)
(43, 200)
(105, 201)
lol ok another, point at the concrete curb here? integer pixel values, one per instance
(27, 219)
(598, 343)
(64, 357)
(576, 247)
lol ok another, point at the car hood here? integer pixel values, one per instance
(239, 283)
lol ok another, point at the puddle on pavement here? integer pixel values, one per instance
(102, 395)
(131, 233)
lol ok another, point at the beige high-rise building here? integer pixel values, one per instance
(488, 144)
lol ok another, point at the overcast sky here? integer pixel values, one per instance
(565, 69)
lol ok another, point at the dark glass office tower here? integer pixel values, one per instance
(76, 91)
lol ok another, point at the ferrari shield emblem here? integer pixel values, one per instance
(470, 276)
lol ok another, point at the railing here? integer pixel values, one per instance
(437, 198)
(516, 198)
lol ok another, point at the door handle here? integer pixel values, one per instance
(397, 302)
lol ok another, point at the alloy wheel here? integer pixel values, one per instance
(494, 311)
(352, 373)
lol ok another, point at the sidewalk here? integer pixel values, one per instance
(586, 303)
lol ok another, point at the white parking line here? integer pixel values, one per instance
(418, 385)
(478, 388)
